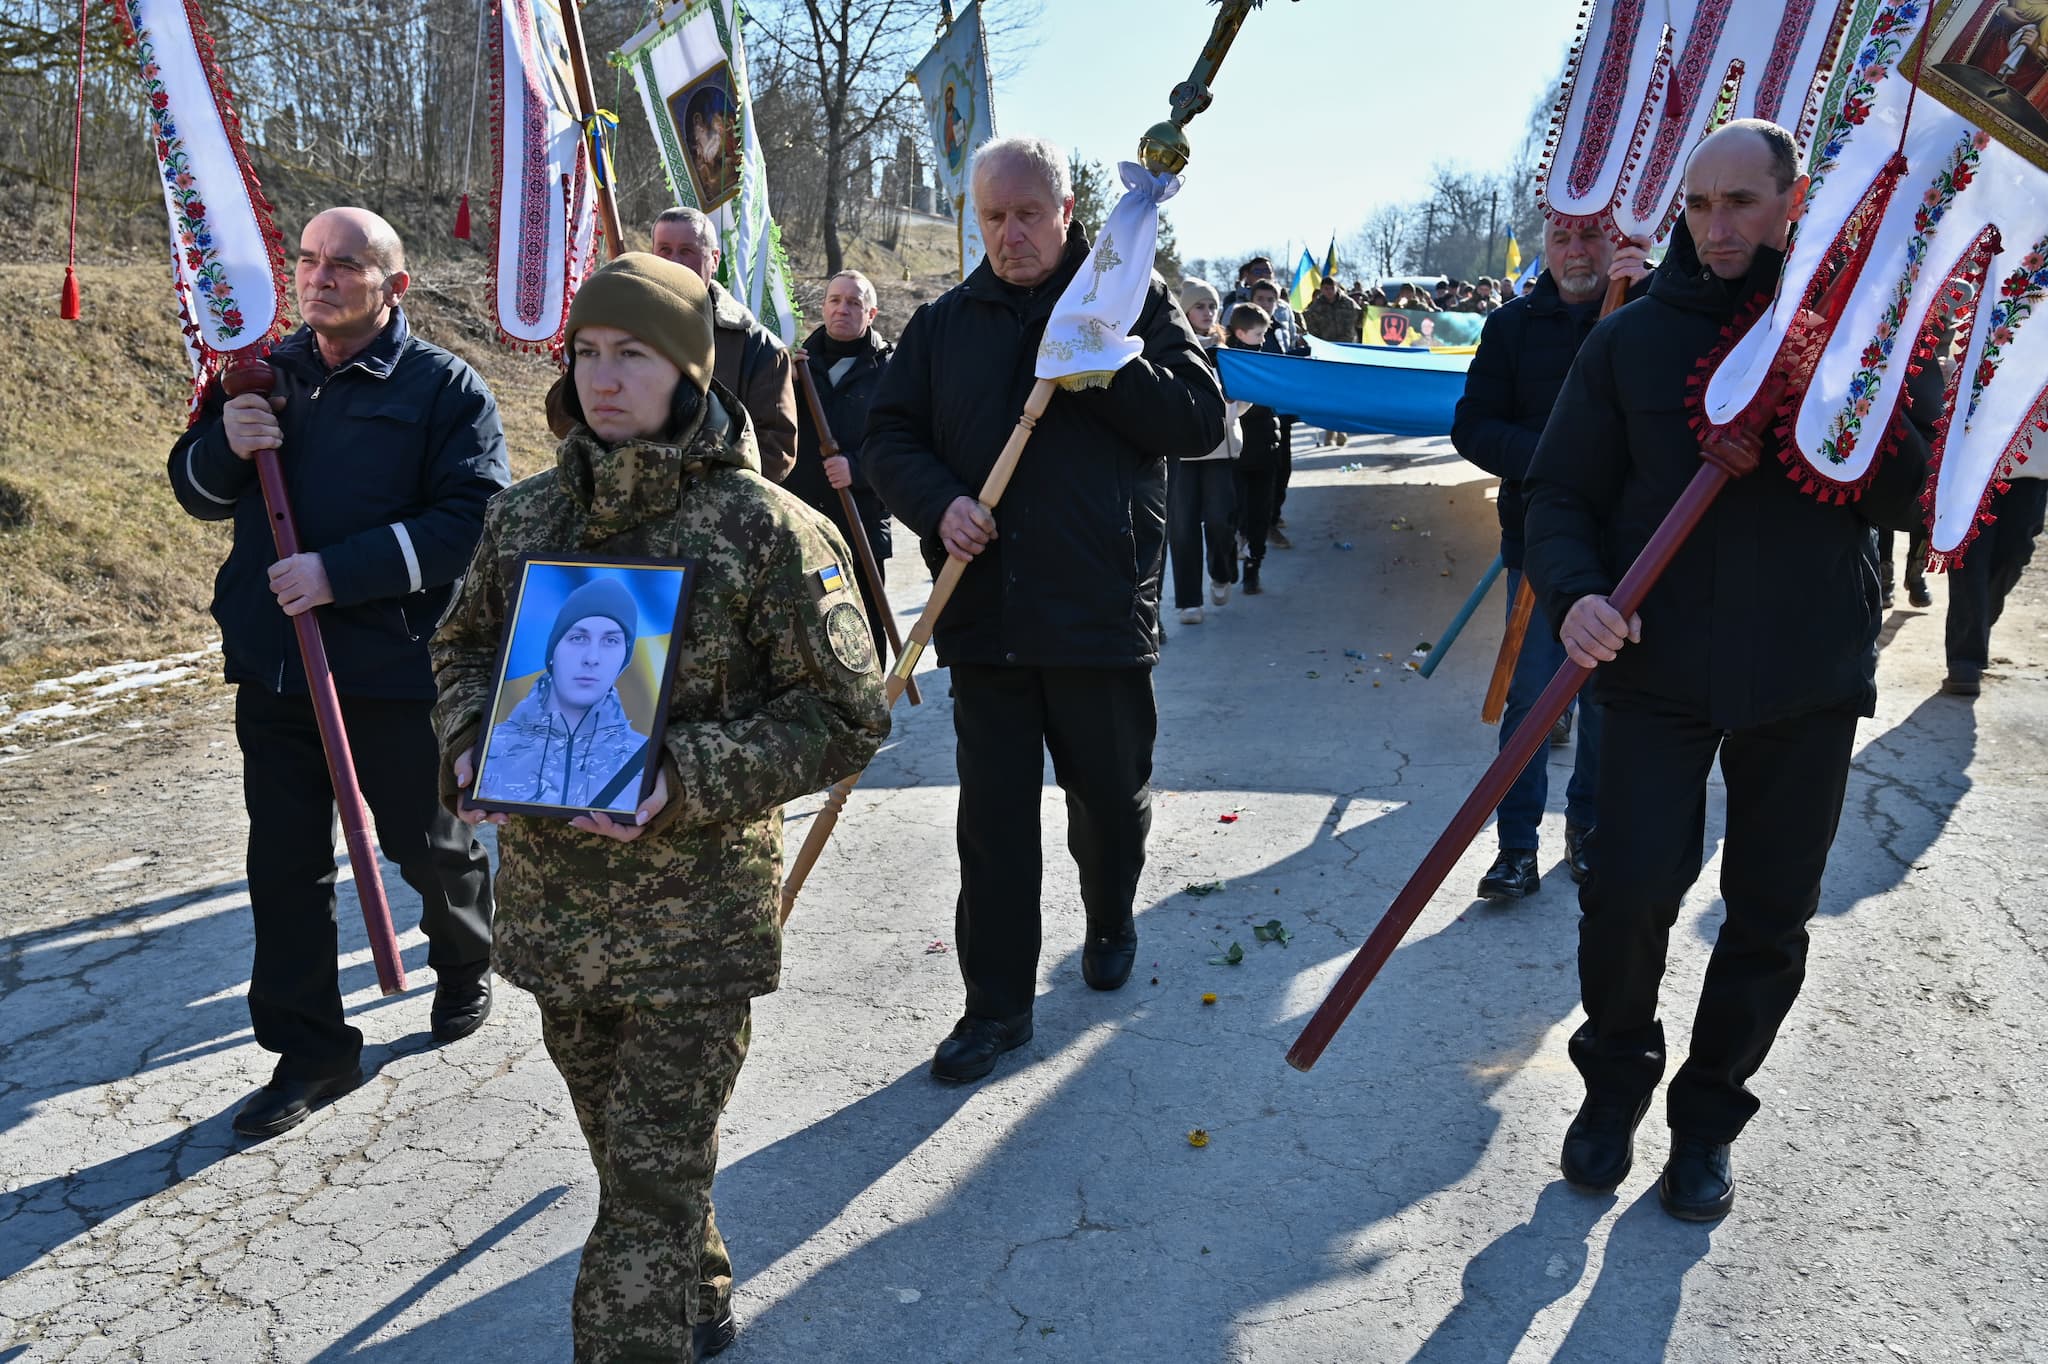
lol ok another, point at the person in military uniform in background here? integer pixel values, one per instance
(1330, 316)
(569, 741)
(846, 359)
(644, 938)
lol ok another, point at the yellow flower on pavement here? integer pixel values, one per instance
(1198, 1138)
(1209, 998)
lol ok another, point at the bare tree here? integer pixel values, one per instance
(853, 54)
(1386, 239)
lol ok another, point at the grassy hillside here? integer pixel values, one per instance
(97, 562)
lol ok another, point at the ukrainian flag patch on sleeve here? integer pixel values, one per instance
(830, 579)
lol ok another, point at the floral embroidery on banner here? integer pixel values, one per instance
(1676, 124)
(1868, 381)
(1778, 72)
(1890, 32)
(2016, 299)
(197, 254)
(1610, 84)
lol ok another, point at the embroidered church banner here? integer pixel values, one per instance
(952, 81)
(691, 70)
(1938, 208)
(1087, 338)
(227, 256)
(544, 205)
(1646, 81)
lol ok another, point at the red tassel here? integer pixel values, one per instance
(67, 304)
(462, 220)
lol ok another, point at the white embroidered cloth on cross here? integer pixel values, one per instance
(1087, 338)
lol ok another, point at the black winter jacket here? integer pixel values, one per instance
(1073, 578)
(1771, 609)
(389, 461)
(1525, 351)
(846, 406)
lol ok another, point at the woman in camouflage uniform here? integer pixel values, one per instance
(644, 938)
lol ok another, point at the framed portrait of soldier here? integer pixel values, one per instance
(705, 118)
(1988, 61)
(579, 700)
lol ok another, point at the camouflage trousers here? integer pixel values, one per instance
(649, 1086)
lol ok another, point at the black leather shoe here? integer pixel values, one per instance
(1600, 1145)
(1107, 958)
(462, 1001)
(1699, 1182)
(711, 1337)
(1561, 732)
(971, 1050)
(1511, 877)
(283, 1104)
(1578, 839)
(1251, 578)
(1918, 595)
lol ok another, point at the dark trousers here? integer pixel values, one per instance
(294, 987)
(1285, 472)
(1255, 510)
(1201, 513)
(1099, 724)
(1785, 782)
(1991, 566)
(1521, 809)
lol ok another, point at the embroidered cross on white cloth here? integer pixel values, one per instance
(1087, 338)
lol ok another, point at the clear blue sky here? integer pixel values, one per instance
(1324, 108)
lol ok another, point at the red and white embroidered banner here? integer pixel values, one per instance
(1647, 80)
(227, 257)
(544, 205)
(1921, 195)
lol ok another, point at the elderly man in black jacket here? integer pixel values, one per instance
(845, 359)
(390, 447)
(1054, 630)
(1525, 350)
(1758, 645)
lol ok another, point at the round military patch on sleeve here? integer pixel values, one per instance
(846, 630)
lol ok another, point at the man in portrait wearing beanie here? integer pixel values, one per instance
(645, 934)
(569, 741)
(391, 448)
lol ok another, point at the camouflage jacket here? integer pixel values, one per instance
(535, 758)
(1333, 319)
(777, 694)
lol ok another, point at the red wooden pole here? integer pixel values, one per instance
(250, 375)
(1729, 457)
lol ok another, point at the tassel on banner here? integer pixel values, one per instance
(67, 303)
(462, 220)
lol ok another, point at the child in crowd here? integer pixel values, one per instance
(1258, 461)
(1201, 495)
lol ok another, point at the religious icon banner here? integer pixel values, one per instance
(544, 204)
(1421, 329)
(691, 70)
(952, 81)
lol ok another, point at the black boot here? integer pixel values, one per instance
(1577, 840)
(970, 1051)
(1600, 1145)
(708, 1338)
(1251, 578)
(462, 1001)
(1511, 877)
(283, 1104)
(1107, 958)
(1699, 1180)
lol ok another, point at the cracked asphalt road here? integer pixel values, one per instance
(1400, 1203)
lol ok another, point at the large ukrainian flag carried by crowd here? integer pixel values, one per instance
(692, 73)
